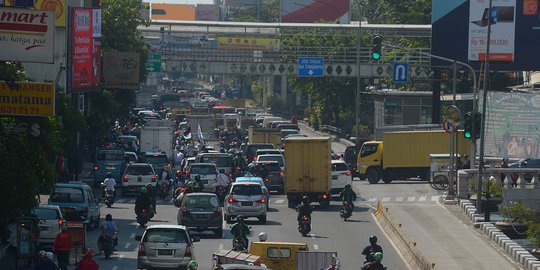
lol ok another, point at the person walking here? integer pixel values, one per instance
(87, 262)
(62, 246)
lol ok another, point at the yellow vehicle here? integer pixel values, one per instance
(406, 154)
(265, 135)
(277, 255)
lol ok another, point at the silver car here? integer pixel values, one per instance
(165, 247)
(51, 223)
(208, 173)
(245, 199)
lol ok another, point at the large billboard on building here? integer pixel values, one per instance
(58, 6)
(82, 70)
(248, 43)
(207, 12)
(27, 99)
(172, 12)
(312, 11)
(459, 32)
(26, 35)
(121, 70)
(512, 125)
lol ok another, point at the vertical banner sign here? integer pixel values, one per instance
(96, 62)
(81, 43)
(96, 23)
(503, 28)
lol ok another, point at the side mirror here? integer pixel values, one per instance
(195, 239)
(138, 237)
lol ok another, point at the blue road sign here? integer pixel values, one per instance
(400, 73)
(310, 66)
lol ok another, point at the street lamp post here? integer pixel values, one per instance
(358, 82)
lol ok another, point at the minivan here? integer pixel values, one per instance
(222, 161)
(76, 200)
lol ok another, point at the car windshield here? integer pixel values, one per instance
(205, 202)
(165, 236)
(102, 155)
(159, 159)
(67, 195)
(247, 190)
(202, 170)
(46, 213)
(220, 161)
(139, 170)
(279, 159)
(339, 167)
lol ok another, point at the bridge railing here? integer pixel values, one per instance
(330, 129)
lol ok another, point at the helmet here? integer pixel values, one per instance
(373, 239)
(42, 254)
(144, 190)
(305, 199)
(262, 236)
(90, 252)
(192, 265)
(50, 255)
(347, 186)
(221, 171)
(240, 218)
(108, 217)
(197, 177)
(109, 175)
(505, 159)
(377, 256)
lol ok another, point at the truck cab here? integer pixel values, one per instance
(370, 159)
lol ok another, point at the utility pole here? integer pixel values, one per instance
(358, 77)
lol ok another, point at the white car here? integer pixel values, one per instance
(341, 176)
(137, 175)
(208, 173)
(51, 223)
(272, 157)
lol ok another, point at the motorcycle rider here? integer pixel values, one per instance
(371, 249)
(239, 163)
(240, 229)
(348, 195)
(110, 184)
(152, 193)
(376, 263)
(222, 180)
(196, 185)
(143, 201)
(192, 265)
(44, 263)
(108, 231)
(304, 209)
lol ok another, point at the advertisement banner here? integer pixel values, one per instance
(502, 30)
(58, 6)
(96, 23)
(313, 11)
(207, 12)
(26, 35)
(82, 69)
(30, 99)
(121, 70)
(175, 12)
(248, 43)
(96, 62)
(512, 125)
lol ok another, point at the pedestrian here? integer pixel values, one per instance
(62, 247)
(43, 262)
(178, 156)
(87, 262)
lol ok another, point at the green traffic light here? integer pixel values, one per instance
(467, 135)
(376, 56)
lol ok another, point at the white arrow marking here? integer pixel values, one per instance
(310, 72)
(400, 71)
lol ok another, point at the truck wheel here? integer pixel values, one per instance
(373, 176)
(387, 179)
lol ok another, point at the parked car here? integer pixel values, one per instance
(246, 199)
(201, 212)
(51, 223)
(341, 176)
(165, 246)
(259, 180)
(208, 173)
(137, 175)
(77, 202)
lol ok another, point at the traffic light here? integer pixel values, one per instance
(477, 125)
(467, 125)
(377, 47)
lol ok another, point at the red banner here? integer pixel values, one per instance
(82, 71)
(97, 62)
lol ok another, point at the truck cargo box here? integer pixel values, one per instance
(265, 135)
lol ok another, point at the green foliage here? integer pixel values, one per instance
(12, 71)
(397, 11)
(533, 233)
(495, 187)
(516, 212)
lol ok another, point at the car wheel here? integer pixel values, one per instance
(219, 233)
(262, 219)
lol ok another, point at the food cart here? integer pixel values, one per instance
(440, 170)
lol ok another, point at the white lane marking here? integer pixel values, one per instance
(386, 199)
(399, 199)
(115, 267)
(127, 245)
(220, 246)
(312, 235)
(280, 201)
(422, 198)
(411, 199)
(121, 257)
(132, 236)
(434, 198)
(315, 246)
(372, 199)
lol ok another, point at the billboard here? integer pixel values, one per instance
(121, 70)
(248, 43)
(512, 125)
(30, 99)
(173, 12)
(312, 11)
(81, 49)
(207, 12)
(459, 32)
(58, 6)
(26, 35)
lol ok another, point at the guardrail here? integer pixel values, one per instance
(330, 129)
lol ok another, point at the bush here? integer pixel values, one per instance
(516, 212)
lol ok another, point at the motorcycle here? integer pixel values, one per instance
(164, 189)
(107, 245)
(109, 197)
(221, 192)
(304, 226)
(346, 210)
(144, 216)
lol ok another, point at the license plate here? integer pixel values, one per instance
(110, 167)
(165, 252)
(247, 203)
(201, 216)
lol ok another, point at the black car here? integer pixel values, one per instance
(159, 161)
(200, 212)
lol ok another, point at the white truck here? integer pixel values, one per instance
(207, 123)
(157, 138)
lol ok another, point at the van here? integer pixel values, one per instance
(76, 200)
(222, 161)
(109, 160)
(277, 255)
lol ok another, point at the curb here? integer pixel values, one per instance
(518, 253)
